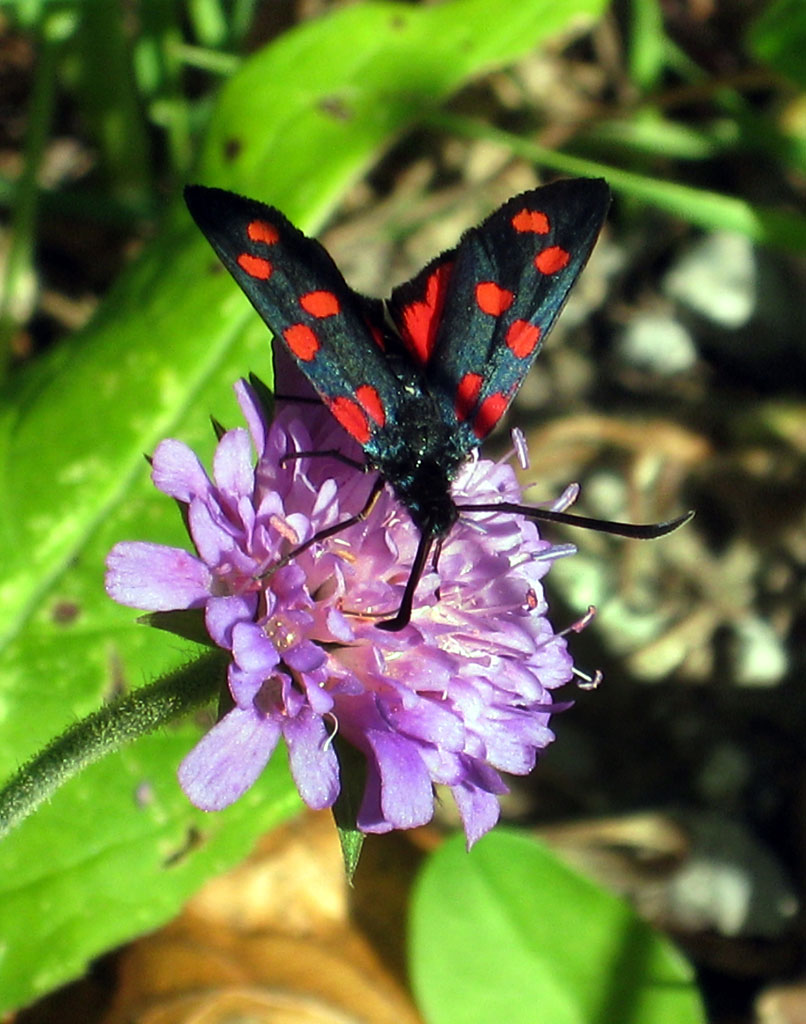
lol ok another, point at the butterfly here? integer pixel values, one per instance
(420, 380)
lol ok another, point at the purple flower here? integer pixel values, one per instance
(459, 695)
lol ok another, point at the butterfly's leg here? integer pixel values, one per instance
(404, 611)
(435, 561)
(330, 531)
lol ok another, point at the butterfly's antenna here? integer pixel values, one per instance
(404, 611)
(637, 531)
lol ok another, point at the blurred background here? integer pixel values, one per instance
(674, 380)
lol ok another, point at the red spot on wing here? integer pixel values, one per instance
(467, 394)
(352, 417)
(550, 260)
(522, 338)
(320, 304)
(302, 341)
(492, 298)
(534, 221)
(263, 231)
(490, 412)
(255, 266)
(420, 320)
(371, 402)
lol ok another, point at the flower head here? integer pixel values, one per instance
(460, 694)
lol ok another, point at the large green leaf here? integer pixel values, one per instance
(298, 123)
(508, 932)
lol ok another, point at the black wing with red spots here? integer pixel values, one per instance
(421, 392)
(476, 317)
(336, 336)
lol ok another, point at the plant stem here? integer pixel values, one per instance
(107, 730)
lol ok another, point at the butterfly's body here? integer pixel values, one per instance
(419, 459)
(420, 381)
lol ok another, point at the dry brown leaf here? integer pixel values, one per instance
(270, 942)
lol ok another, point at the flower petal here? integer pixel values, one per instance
(250, 689)
(233, 471)
(430, 722)
(399, 792)
(252, 649)
(252, 413)
(479, 810)
(155, 577)
(229, 759)
(215, 540)
(222, 613)
(176, 471)
(304, 657)
(313, 760)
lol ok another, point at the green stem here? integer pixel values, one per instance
(204, 59)
(122, 720)
(711, 210)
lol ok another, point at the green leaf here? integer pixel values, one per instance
(779, 36)
(508, 932)
(296, 125)
(353, 776)
(116, 852)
